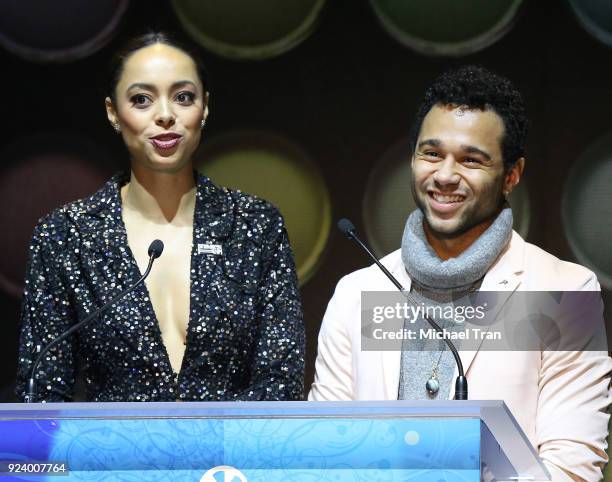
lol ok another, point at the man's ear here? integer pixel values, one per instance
(513, 176)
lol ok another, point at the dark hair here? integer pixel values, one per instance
(145, 40)
(478, 88)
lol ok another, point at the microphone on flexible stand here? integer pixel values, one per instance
(461, 385)
(155, 250)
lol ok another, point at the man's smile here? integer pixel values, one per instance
(445, 203)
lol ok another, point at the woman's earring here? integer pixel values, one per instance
(117, 127)
(202, 122)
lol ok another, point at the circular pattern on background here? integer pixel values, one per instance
(59, 30)
(595, 17)
(388, 201)
(446, 27)
(39, 174)
(246, 29)
(586, 208)
(275, 169)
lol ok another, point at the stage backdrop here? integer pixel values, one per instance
(310, 107)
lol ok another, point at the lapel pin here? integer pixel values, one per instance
(210, 249)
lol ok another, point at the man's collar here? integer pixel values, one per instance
(505, 273)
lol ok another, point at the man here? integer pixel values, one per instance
(468, 155)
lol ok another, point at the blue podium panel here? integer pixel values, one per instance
(237, 442)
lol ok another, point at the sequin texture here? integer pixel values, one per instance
(245, 337)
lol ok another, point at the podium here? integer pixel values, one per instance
(424, 441)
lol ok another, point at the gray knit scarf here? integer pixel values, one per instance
(460, 273)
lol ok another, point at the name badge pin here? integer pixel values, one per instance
(210, 249)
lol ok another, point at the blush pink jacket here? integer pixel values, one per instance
(559, 398)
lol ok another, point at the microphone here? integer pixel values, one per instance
(461, 385)
(155, 250)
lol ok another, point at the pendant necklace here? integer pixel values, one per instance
(433, 385)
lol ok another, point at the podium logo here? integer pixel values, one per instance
(230, 474)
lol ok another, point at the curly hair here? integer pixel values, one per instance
(478, 88)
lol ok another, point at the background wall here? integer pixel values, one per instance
(344, 96)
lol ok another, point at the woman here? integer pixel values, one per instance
(219, 317)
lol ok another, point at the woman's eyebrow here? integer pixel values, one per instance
(142, 86)
(152, 88)
(183, 83)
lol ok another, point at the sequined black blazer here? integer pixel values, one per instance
(245, 337)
